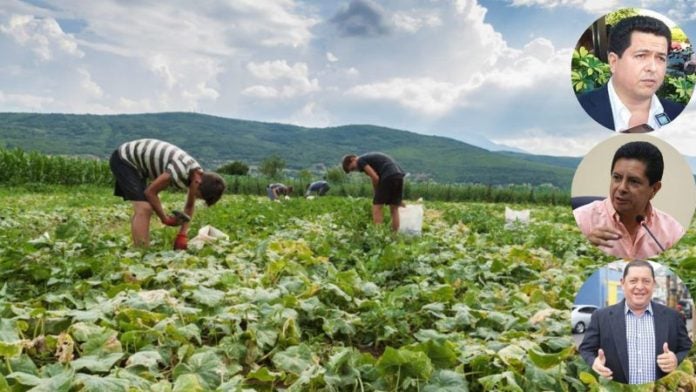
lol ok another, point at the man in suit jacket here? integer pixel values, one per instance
(638, 49)
(637, 340)
(597, 104)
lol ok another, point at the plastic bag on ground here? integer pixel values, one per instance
(411, 219)
(515, 217)
(207, 234)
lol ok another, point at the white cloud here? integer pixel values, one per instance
(414, 20)
(539, 141)
(271, 70)
(276, 22)
(42, 35)
(24, 101)
(330, 57)
(602, 6)
(682, 10)
(425, 95)
(536, 64)
(261, 92)
(126, 105)
(201, 91)
(88, 85)
(168, 56)
(290, 81)
(680, 132)
(160, 65)
(678, 10)
(311, 115)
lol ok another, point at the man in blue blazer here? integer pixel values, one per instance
(637, 340)
(638, 49)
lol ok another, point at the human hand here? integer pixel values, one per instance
(181, 242)
(667, 361)
(603, 236)
(170, 221)
(598, 365)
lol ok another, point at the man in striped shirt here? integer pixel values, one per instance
(133, 163)
(637, 340)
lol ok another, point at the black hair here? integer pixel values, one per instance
(638, 263)
(211, 188)
(646, 153)
(347, 159)
(620, 35)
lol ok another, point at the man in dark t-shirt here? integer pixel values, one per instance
(387, 182)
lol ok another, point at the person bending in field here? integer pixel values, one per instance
(318, 187)
(133, 163)
(274, 191)
(387, 182)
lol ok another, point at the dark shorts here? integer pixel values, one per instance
(129, 184)
(389, 191)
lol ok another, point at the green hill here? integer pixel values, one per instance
(568, 162)
(215, 140)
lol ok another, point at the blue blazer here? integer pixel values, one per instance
(596, 104)
(607, 331)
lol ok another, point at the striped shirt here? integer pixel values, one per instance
(640, 338)
(153, 157)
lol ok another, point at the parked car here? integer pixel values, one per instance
(580, 317)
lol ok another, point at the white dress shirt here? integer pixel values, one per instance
(622, 115)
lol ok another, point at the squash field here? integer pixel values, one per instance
(307, 295)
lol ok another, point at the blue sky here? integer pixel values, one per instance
(479, 71)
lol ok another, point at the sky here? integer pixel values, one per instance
(479, 71)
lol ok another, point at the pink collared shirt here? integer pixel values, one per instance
(601, 213)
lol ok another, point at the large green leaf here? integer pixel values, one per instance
(92, 383)
(404, 363)
(10, 343)
(58, 382)
(97, 363)
(208, 297)
(294, 359)
(149, 359)
(188, 383)
(446, 381)
(206, 366)
(4, 386)
(546, 360)
(501, 382)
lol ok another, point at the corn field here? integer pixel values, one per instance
(18, 167)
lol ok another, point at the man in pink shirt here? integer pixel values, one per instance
(614, 224)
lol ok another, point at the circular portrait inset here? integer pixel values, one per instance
(633, 196)
(632, 321)
(629, 70)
